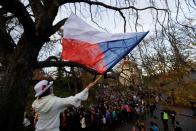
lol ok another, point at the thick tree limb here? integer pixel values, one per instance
(6, 42)
(46, 18)
(55, 62)
(37, 8)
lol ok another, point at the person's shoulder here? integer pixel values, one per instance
(51, 96)
(54, 97)
(57, 98)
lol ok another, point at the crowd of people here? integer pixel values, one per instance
(112, 108)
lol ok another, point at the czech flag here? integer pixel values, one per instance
(89, 47)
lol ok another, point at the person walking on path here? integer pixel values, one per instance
(50, 106)
(173, 117)
(165, 117)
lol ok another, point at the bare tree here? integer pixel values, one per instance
(169, 50)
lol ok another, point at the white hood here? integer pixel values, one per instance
(44, 104)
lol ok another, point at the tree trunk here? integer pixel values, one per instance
(15, 84)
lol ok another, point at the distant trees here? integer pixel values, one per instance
(170, 50)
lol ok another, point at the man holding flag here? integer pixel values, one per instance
(50, 106)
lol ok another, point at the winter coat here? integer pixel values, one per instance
(50, 108)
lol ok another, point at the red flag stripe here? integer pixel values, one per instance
(84, 53)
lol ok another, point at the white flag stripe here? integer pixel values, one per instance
(76, 28)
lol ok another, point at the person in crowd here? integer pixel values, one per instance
(152, 109)
(165, 117)
(50, 106)
(133, 128)
(140, 125)
(173, 116)
(103, 122)
(177, 127)
(157, 99)
(63, 120)
(83, 122)
(26, 123)
(153, 126)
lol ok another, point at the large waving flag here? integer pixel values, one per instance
(97, 50)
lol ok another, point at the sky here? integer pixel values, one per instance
(112, 22)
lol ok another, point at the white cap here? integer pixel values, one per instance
(41, 87)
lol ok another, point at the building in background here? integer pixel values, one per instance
(129, 73)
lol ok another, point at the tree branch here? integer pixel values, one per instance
(61, 2)
(17, 8)
(6, 42)
(46, 18)
(115, 8)
(37, 8)
(55, 62)
(123, 19)
(56, 27)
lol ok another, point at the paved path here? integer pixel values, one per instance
(187, 122)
